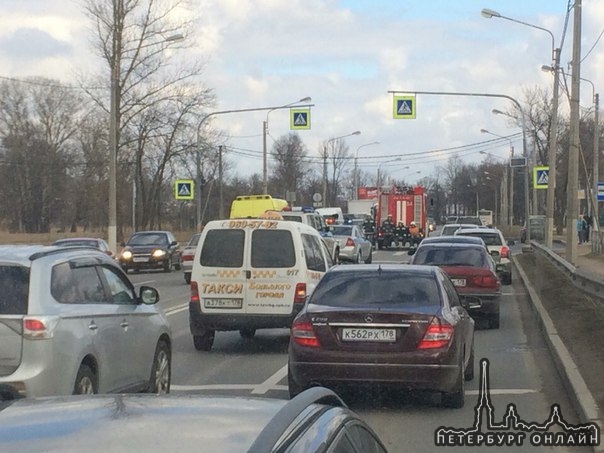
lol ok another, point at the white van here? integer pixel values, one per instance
(252, 274)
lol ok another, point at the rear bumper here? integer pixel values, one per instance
(200, 322)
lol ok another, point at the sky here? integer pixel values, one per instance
(348, 56)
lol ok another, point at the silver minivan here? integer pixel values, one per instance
(72, 322)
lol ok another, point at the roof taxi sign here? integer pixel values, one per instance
(404, 107)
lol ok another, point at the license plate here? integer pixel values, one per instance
(459, 281)
(385, 335)
(140, 259)
(223, 303)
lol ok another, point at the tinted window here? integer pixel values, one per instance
(293, 218)
(223, 248)
(14, 290)
(194, 240)
(77, 285)
(313, 253)
(78, 243)
(342, 230)
(448, 230)
(363, 440)
(149, 239)
(273, 248)
(488, 238)
(450, 256)
(355, 289)
(121, 291)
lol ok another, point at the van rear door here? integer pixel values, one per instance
(14, 290)
(274, 273)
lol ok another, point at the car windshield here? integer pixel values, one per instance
(363, 289)
(148, 239)
(450, 256)
(488, 238)
(78, 243)
(342, 230)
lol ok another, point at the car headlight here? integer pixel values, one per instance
(127, 254)
(158, 253)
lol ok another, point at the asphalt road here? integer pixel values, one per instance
(521, 371)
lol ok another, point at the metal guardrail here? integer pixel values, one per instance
(582, 279)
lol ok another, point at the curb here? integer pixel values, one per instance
(583, 401)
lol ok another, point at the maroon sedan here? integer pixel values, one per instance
(472, 271)
(388, 324)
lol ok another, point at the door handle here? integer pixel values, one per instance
(124, 324)
(92, 326)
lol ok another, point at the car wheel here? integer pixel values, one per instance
(507, 279)
(370, 257)
(247, 333)
(336, 258)
(168, 265)
(177, 266)
(292, 385)
(85, 383)
(469, 371)
(455, 399)
(380, 245)
(205, 341)
(159, 383)
(358, 258)
(188, 277)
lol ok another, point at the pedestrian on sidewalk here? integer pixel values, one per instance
(586, 227)
(580, 229)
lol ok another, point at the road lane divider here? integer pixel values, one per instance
(271, 381)
(177, 309)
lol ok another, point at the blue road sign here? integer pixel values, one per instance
(600, 191)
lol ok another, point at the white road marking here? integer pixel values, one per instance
(514, 294)
(503, 391)
(270, 382)
(188, 388)
(177, 309)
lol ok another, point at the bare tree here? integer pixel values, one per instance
(338, 153)
(289, 169)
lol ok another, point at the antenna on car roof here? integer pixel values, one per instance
(379, 269)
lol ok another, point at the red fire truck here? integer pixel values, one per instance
(405, 205)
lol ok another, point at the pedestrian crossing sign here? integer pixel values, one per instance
(183, 189)
(540, 177)
(404, 107)
(299, 119)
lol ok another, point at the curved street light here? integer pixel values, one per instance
(325, 146)
(553, 137)
(356, 171)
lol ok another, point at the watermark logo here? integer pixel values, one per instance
(513, 431)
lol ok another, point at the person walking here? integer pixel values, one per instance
(586, 227)
(580, 224)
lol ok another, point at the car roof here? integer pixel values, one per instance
(394, 267)
(281, 224)
(25, 254)
(481, 230)
(452, 238)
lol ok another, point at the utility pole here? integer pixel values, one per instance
(572, 202)
(596, 175)
(220, 194)
(551, 155)
(325, 176)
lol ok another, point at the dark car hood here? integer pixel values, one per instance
(130, 423)
(145, 248)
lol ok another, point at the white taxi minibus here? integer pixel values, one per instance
(252, 274)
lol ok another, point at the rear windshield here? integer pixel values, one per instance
(292, 218)
(488, 238)
(273, 248)
(450, 256)
(356, 289)
(223, 248)
(77, 243)
(342, 230)
(14, 290)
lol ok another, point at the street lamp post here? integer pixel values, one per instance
(596, 154)
(356, 171)
(553, 136)
(325, 148)
(264, 147)
(507, 210)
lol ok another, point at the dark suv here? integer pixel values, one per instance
(150, 250)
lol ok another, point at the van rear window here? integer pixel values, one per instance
(14, 290)
(223, 248)
(273, 248)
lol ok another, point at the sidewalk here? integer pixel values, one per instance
(586, 260)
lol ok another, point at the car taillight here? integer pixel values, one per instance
(505, 252)
(304, 334)
(349, 242)
(187, 257)
(39, 328)
(488, 281)
(300, 293)
(438, 335)
(194, 293)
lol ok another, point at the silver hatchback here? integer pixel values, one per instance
(72, 322)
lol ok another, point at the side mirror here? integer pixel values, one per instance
(411, 252)
(148, 295)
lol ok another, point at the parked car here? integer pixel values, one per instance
(384, 323)
(473, 273)
(72, 322)
(150, 250)
(96, 243)
(498, 248)
(188, 255)
(315, 421)
(354, 246)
